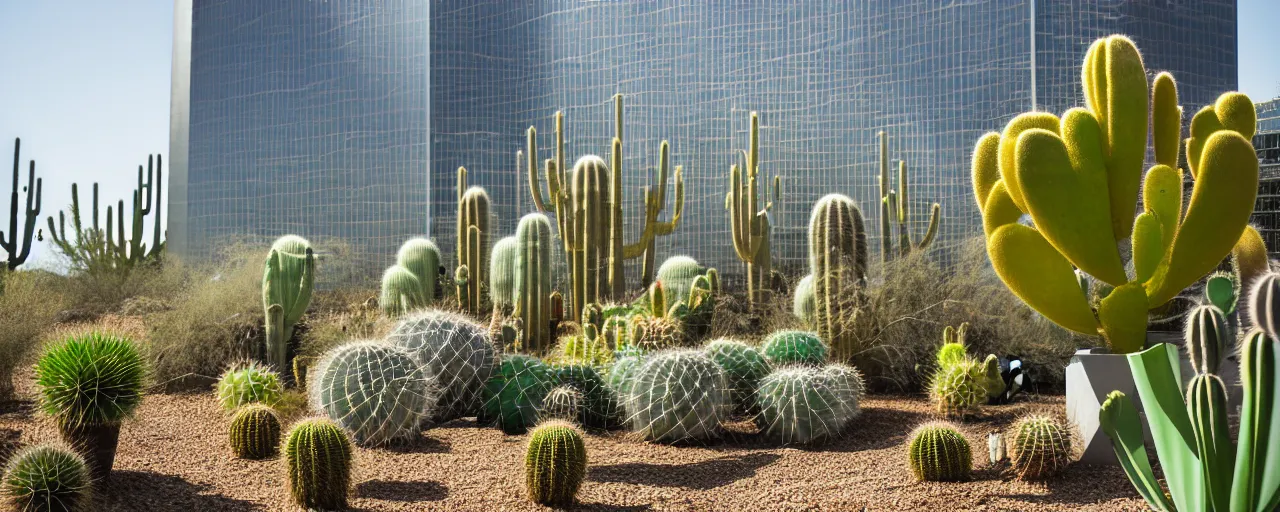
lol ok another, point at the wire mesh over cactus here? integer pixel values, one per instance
(562, 403)
(622, 375)
(895, 208)
(254, 432)
(422, 258)
(318, 461)
(287, 284)
(600, 407)
(533, 280)
(589, 348)
(938, 452)
(555, 463)
(743, 368)
(803, 405)
(46, 478)
(247, 383)
(514, 394)
(794, 347)
(838, 264)
(956, 389)
(678, 396)
(1040, 447)
(473, 240)
(374, 390)
(848, 377)
(401, 292)
(454, 352)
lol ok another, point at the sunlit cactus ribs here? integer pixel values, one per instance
(502, 272)
(587, 203)
(247, 383)
(421, 257)
(17, 252)
(895, 209)
(678, 396)
(804, 405)
(938, 452)
(401, 292)
(555, 463)
(1080, 176)
(473, 244)
(373, 390)
(956, 389)
(455, 352)
(532, 282)
(287, 284)
(254, 432)
(794, 347)
(837, 271)
(513, 396)
(743, 368)
(94, 249)
(47, 478)
(1040, 447)
(749, 222)
(318, 462)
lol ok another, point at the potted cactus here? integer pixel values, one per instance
(1079, 177)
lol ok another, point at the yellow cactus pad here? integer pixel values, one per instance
(1220, 205)
(1203, 124)
(1123, 315)
(1166, 119)
(986, 166)
(1040, 276)
(1249, 257)
(1009, 141)
(1068, 209)
(1162, 195)
(999, 209)
(1148, 246)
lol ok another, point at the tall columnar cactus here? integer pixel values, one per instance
(317, 456)
(804, 405)
(422, 257)
(794, 347)
(588, 207)
(678, 396)
(749, 222)
(472, 239)
(743, 368)
(803, 304)
(1041, 447)
(895, 208)
(939, 453)
(502, 275)
(513, 396)
(401, 292)
(555, 463)
(95, 249)
(455, 352)
(838, 264)
(17, 252)
(254, 432)
(287, 283)
(1080, 176)
(1206, 338)
(533, 281)
(374, 390)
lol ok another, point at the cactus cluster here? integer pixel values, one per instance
(804, 405)
(1040, 447)
(749, 223)
(828, 298)
(246, 383)
(685, 292)
(513, 395)
(287, 284)
(794, 347)
(47, 478)
(411, 283)
(953, 349)
(34, 189)
(374, 390)
(938, 452)
(678, 396)
(555, 463)
(454, 352)
(318, 460)
(956, 389)
(600, 408)
(254, 432)
(472, 243)
(743, 368)
(895, 208)
(94, 249)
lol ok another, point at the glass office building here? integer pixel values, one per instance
(1269, 116)
(347, 120)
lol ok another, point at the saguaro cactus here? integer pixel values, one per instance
(98, 250)
(533, 281)
(748, 222)
(896, 207)
(588, 207)
(473, 239)
(17, 253)
(1079, 178)
(837, 261)
(286, 291)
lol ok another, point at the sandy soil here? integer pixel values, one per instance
(174, 456)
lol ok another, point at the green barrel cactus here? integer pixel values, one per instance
(838, 263)
(254, 432)
(600, 409)
(956, 389)
(287, 284)
(46, 478)
(1040, 447)
(621, 375)
(422, 257)
(794, 347)
(513, 396)
(533, 280)
(555, 463)
(953, 349)
(589, 348)
(473, 241)
(743, 368)
(803, 405)
(848, 377)
(374, 390)
(678, 396)
(676, 275)
(246, 383)
(802, 303)
(455, 352)
(502, 274)
(938, 452)
(318, 460)
(562, 403)
(401, 292)
(651, 333)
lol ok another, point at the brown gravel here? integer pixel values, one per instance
(174, 457)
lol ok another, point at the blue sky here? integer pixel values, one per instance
(86, 85)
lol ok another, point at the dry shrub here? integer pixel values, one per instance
(29, 302)
(321, 330)
(108, 291)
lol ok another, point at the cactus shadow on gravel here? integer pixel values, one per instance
(702, 476)
(404, 491)
(422, 443)
(144, 490)
(876, 428)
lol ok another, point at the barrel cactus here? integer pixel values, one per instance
(562, 403)
(678, 396)
(555, 463)
(401, 292)
(676, 275)
(743, 368)
(848, 377)
(622, 373)
(655, 332)
(588, 348)
(959, 387)
(246, 383)
(794, 347)
(514, 394)
(374, 390)
(317, 457)
(953, 349)
(455, 352)
(421, 257)
(803, 405)
(254, 432)
(939, 453)
(48, 479)
(599, 402)
(1041, 447)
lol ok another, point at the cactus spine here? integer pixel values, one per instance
(502, 272)
(454, 351)
(317, 456)
(254, 432)
(287, 283)
(896, 208)
(1206, 338)
(794, 347)
(473, 240)
(678, 396)
(743, 368)
(804, 405)
(47, 478)
(939, 453)
(748, 222)
(18, 255)
(533, 281)
(421, 257)
(555, 463)
(837, 261)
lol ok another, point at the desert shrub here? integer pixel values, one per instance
(109, 290)
(29, 303)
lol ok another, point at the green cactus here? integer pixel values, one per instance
(838, 264)
(422, 257)
(45, 478)
(794, 347)
(254, 432)
(1040, 447)
(247, 383)
(502, 275)
(939, 453)
(956, 389)
(896, 208)
(533, 281)
(676, 275)
(562, 403)
(621, 376)
(453, 351)
(953, 349)
(514, 394)
(587, 203)
(749, 223)
(462, 283)
(600, 408)
(401, 292)
(654, 332)
(34, 189)
(1206, 338)
(1264, 304)
(848, 377)
(743, 368)
(317, 457)
(1222, 290)
(555, 463)
(473, 240)
(95, 250)
(803, 405)
(678, 396)
(588, 348)
(803, 305)
(995, 381)
(287, 284)
(374, 390)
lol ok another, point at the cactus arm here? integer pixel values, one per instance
(305, 287)
(1120, 421)
(932, 231)
(1257, 470)
(737, 220)
(886, 243)
(1166, 119)
(156, 245)
(1040, 276)
(617, 255)
(17, 254)
(531, 146)
(1156, 375)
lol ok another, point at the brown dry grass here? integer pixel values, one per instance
(29, 302)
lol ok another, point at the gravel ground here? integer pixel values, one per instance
(174, 456)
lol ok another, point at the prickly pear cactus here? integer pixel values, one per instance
(1040, 447)
(803, 405)
(317, 456)
(600, 409)
(555, 463)
(254, 432)
(939, 453)
(455, 352)
(514, 394)
(374, 390)
(743, 367)
(678, 396)
(794, 347)
(958, 388)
